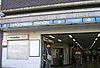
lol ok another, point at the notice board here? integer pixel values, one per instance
(34, 48)
(18, 49)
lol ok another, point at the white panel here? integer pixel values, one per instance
(18, 49)
(34, 48)
(32, 62)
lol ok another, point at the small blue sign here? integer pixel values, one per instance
(43, 22)
(72, 21)
(97, 19)
(21, 24)
(59, 21)
(0, 25)
(4, 25)
(88, 20)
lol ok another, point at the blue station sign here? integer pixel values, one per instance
(52, 22)
(21, 24)
(74, 20)
(97, 19)
(42, 23)
(4, 25)
(59, 22)
(85, 20)
(0, 25)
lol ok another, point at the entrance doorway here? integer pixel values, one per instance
(58, 56)
(62, 47)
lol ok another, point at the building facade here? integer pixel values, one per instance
(24, 23)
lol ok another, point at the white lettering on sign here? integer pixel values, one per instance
(88, 19)
(21, 24)
(42, 22)
(16, 37)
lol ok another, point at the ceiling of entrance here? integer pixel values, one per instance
(85, 40)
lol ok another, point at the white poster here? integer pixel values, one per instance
(34, 47)
(18, 49)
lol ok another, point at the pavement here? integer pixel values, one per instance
(84, 65)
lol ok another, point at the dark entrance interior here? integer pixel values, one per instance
(62, 45)
(58, 60)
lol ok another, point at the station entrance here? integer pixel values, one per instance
(62, 47)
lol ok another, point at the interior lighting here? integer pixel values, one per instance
(73, 39)
(91, 46)
(96, 39)
(59, 40)
(70, 36)
(99, 35)
(76, 42)
(48, 46)
(80, 46)
(94, 42)
(51, 36)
